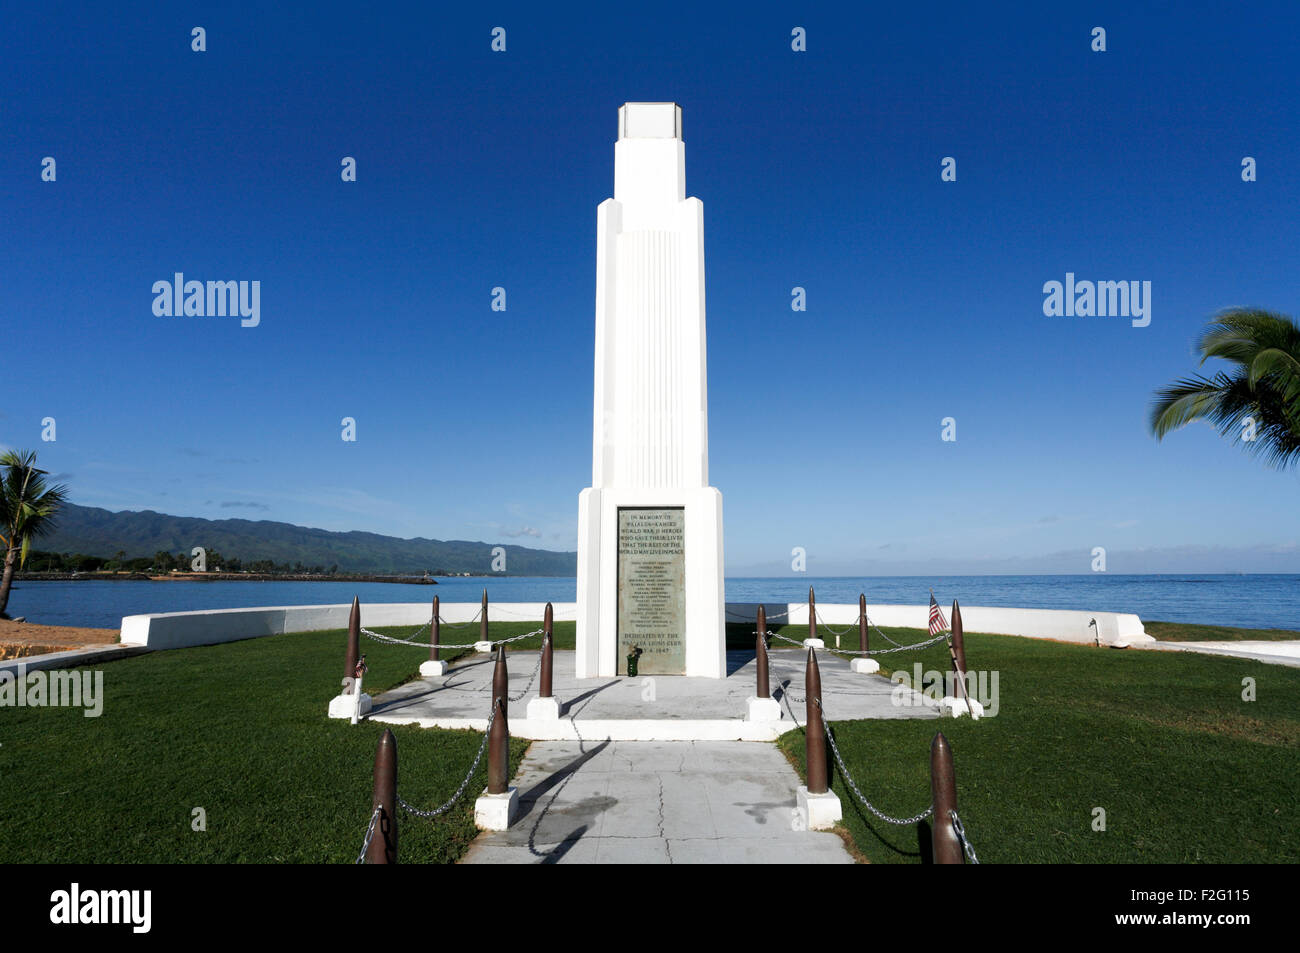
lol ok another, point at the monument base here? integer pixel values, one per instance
(865, 666)
(342, 706)
(956, 707)
(762, 709)
(430, 668)
(817, 812)
(496, 812)
(544, 709)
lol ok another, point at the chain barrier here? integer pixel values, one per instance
(826, 625)
(961, 836)
(853, 785)
(900, 648)
(531, 678)
(370, 834)
(460, 625)
(380, 637)
(464, 784)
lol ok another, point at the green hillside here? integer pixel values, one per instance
(99, 532)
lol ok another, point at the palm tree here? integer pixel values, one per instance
(1263, 389)
(27, 510)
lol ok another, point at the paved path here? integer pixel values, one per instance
(1285, 652)
(646, 708)
(642, 802)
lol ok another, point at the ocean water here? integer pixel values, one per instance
(1263, 601)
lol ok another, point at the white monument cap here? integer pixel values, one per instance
(650, 121)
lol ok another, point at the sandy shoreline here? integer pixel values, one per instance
(20, 639)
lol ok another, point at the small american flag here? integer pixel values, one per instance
(937, 622)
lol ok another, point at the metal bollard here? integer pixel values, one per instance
(383, 846)
(958, 644)
(435, 632)
(500, 677)
(812, 614)
(483, 622)
(353, 649)
(943, 790)
(499, 750)
(863, 641)
(814, 728)
(544, 690)
(760, 655)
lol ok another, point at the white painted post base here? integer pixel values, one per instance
(817, 812)
(762, 709)
(957, 707)
(433, 669)
(543, 709)
(865, 666)
(344, 706)
(484, 646)
(814, 644)
(496, 812)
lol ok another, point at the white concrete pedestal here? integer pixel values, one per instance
(483, 646)
(762, 709)
(865, 666)
(814, 644)
(342, 706)
(433, 669)
(817, 812)
(544, 709)
(496, 812)
(956, 707)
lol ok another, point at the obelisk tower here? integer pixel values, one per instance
(650, 526)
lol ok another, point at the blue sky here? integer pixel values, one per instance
(818, 169)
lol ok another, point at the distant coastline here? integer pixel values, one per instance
(218, 577)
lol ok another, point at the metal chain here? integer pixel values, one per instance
(823, 622)
(370, 834)
(379, 637)
(916, 645)
(464, 784)
(853, 785)
(536, 668)
(961, 836)
(460, 625)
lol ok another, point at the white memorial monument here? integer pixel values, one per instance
(650, 526)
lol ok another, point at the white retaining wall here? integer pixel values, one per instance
(172, 630)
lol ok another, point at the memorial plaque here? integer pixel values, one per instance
(652, 589)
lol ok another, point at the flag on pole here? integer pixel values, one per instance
(937, 622)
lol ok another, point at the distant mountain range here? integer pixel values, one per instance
(97, 532)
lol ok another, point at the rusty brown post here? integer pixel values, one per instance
(435, 632)
(483, 622)
(544, 690)
(760, 655)
(958, 644)
(383, 845)
(814, 728)
(500, 677)
(943, 791)
(499, 750)
(353, 651)
(864, 643)
(812, 614)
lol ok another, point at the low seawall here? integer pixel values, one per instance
(173, 630)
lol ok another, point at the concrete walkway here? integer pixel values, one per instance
(645, 708)
(1285, 652)
(648, 802)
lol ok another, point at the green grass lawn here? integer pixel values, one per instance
(240, 730)
(1185, 632)
(1186, 770)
